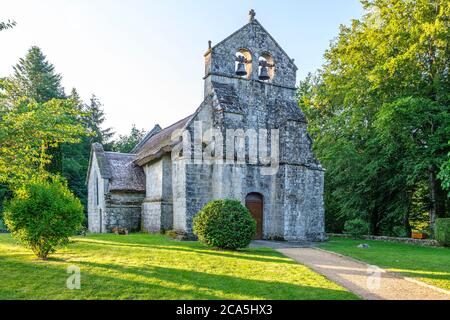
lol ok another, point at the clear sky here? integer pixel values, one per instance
(144, 58)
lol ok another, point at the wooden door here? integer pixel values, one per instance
(255, 204)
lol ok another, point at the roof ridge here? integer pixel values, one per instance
(148, 135)
(121, 153)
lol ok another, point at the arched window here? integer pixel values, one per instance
(243, 63)
(96, 194)
(266, 67)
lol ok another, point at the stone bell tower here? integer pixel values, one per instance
(254, 49)
(250, 86)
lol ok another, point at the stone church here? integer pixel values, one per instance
(249, 86)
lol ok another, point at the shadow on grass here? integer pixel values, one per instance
(40, 281)
(261, 255)
(230, 286)
(27, 280)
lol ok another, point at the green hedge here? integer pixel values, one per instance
(442, 231)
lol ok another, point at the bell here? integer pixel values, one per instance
(264, 73)
(240, 71)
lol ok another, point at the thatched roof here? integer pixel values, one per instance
(159, 144)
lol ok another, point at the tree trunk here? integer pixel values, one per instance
(406, 215)
(374, 223)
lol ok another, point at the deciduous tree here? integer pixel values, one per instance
(376, 110)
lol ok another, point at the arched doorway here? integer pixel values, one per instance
(255, 204)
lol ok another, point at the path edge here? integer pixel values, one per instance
(397, 274)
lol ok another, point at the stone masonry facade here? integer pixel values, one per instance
(176, 185)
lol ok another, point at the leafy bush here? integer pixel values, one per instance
(442, 231)
(225, 224)
(399, 231)
(43, 215)
(2, 225)
(357, 228)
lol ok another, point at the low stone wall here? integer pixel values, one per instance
(420, 242)
(123, 210)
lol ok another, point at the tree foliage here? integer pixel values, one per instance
(33, 87)
(378, 111)
(7, 25)
(35, 78)
(443, 231)
(126, 143)
(95, 117)
(76, 155)
(28, 130)
(357, 228)
(444, 175)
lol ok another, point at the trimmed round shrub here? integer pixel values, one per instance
(43, 215)
(225, 224)
(442, 231)
(357, 228)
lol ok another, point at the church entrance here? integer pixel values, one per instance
(255, 204)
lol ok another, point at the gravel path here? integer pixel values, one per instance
(368, 282)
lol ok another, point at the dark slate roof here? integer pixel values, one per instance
(150, 134)
(125, 174)
(228, 98)
(160, 143)
(102, 162)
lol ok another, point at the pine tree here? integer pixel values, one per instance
(95, 116)
(34, 77)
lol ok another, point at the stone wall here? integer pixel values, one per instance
(293, 200)
(123, 209)
(303, 207)
(420, 242)
(157, 208)
(96, 211)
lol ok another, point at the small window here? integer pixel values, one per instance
(243, 63)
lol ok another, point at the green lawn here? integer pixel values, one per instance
(141, 266)
(428, 264)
